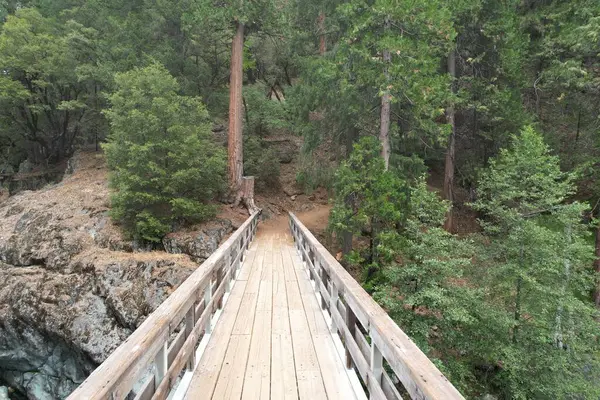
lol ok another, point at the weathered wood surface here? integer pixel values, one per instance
(275, 342)
(295, 326)
(143, 349)
(419, 376)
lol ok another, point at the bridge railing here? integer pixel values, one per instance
(374, 345)
(165, 343)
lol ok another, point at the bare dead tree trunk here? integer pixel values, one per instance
(235, 148)
(450, 151)
(321, 29)
(384, 132)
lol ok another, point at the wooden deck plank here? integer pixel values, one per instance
(278, 344)
(231, 378)
(283, 380)
(245, 319)
(250, 257)
(310, 383)
(207, 372)
(281, 318)
(335, 377)
(257, 381)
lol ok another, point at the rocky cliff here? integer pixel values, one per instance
(73, 288)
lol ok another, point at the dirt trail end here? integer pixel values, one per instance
(315, 220)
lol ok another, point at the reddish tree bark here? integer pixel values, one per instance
(450, 151)
(235, 148)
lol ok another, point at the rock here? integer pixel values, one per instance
(7, 169)
(56, 328)
(218, 128)
(292, 190)
(25, 167)
(4, 393)
(286, 149)
(73, 163)
(70, 294)
(199, 244)
(294, 197)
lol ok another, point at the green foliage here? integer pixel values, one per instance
(338, 96)
(426, 288)
(264, 115)
(369, 201)
(262, 163)
(537, 272)
(44, 105)
(313, 173)
(164, 164)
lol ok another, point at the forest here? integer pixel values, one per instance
(459, 142)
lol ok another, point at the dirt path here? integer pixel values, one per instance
(315, 220)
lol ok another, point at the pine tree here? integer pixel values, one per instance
(537, 270)
(164, 164)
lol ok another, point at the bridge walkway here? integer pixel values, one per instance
(272, 340)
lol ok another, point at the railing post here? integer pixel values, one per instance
(207, 298)
(324, 282)
(220, 272)
(376, 365)
(333, 300)
(231, 269)
(190, 320)
(161, 365)
(351, 323)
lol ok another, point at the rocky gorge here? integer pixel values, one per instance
(72, 287)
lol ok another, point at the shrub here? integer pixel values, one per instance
(163, 163)
(261, 163)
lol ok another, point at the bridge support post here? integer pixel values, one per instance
(376, 366)
(190, 320)
(333, 300)
(351, 323)
(324, 281)
(207, 298)
(161, 364)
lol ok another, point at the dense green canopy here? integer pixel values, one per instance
(500, 100)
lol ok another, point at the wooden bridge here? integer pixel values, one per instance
(273, 318)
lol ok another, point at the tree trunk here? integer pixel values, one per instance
(597, 266)
(321, 30)
(450, 151)
(247, 194)
(235, 148)
(384, 132)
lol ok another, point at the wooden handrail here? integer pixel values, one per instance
(356, 317)
(185, 315)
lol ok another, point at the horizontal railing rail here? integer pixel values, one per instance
(374, 345)
(165, 343)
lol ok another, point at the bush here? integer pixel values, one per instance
(163, 163)
(261, 163)
(315, 172)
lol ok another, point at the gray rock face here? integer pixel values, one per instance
(72, 289)
(201, 243)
